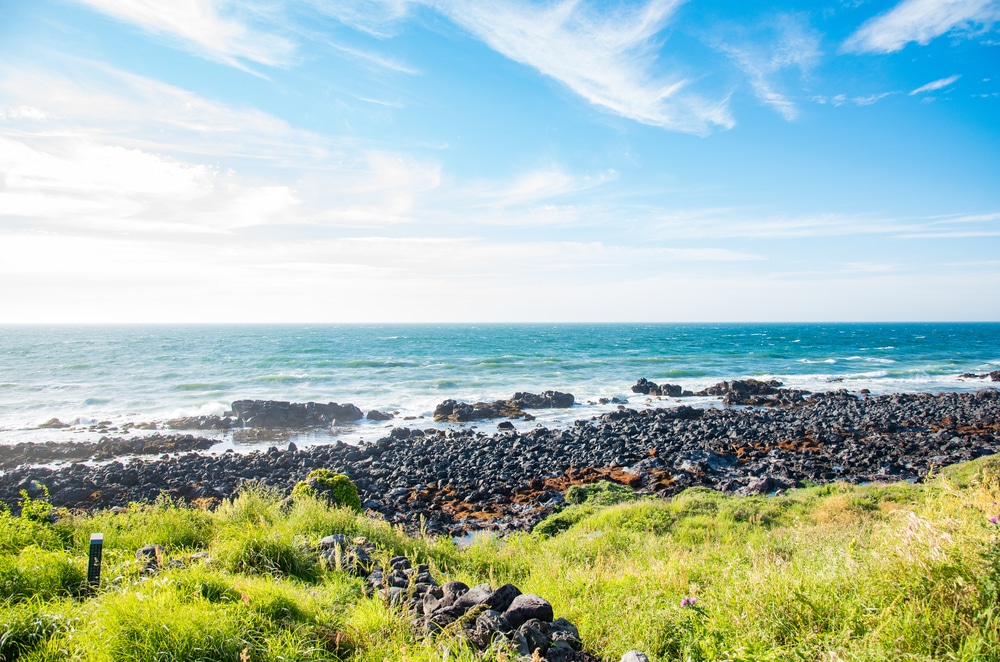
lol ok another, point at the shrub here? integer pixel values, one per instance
(336, 488)
(36, 510)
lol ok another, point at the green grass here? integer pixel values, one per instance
(834, 572)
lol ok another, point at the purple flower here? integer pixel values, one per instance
(688, 602)
(993, 520)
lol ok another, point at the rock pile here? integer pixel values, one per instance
(486, 618)
(462, 412)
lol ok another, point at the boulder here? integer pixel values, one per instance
(151, 556)
(501, 598)
(476, 595)
(292, 415)
(646, 387)
(463, 412)
(546, 400)
(376, 415)
(489, 625)
(526, 607)
(701, 461)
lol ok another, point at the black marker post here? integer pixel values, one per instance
(94, 566)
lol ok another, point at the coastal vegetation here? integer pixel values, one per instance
(902, 571)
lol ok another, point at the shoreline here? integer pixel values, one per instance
(151, 375)
(457, 480)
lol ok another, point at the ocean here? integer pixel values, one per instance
(86, 374)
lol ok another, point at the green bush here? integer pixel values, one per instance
(336, 488)
(36, 510)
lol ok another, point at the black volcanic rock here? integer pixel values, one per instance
(295, 415)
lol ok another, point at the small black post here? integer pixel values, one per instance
(94, 566)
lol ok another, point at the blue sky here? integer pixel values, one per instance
(499, 160)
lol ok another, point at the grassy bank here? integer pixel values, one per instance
(837, 572)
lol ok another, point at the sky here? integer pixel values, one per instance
(329, 161)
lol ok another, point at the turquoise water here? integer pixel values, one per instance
(139, 373)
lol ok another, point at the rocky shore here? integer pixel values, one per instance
(456, 480)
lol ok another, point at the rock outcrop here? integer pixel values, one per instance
(463, 412)
(737, 392)
(278, 414)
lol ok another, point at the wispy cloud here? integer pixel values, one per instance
(379, 18)
(606, 57)
(935, 85)
(843, 99)
(787, 42)
(138, 112)
(530, 188)
(216, 29)
(375, 59)
(921, 21)
(733, 222)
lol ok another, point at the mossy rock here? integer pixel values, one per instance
(336, 488)
(601, 493)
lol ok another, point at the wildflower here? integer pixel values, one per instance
(688, 602)
(993, 520)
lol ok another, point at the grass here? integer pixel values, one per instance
(835, 572)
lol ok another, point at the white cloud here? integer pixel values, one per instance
(607, 58)
(73, 184)
(921, 21)
(24, 113)
(375, 59)
(530, 188)
(789, 43)
(935, 85)
(376, 17)
(842, 99)
(130, 154)
(139, 112)
(202, 26)
(726, 223)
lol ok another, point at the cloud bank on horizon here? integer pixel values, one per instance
(503, 160)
